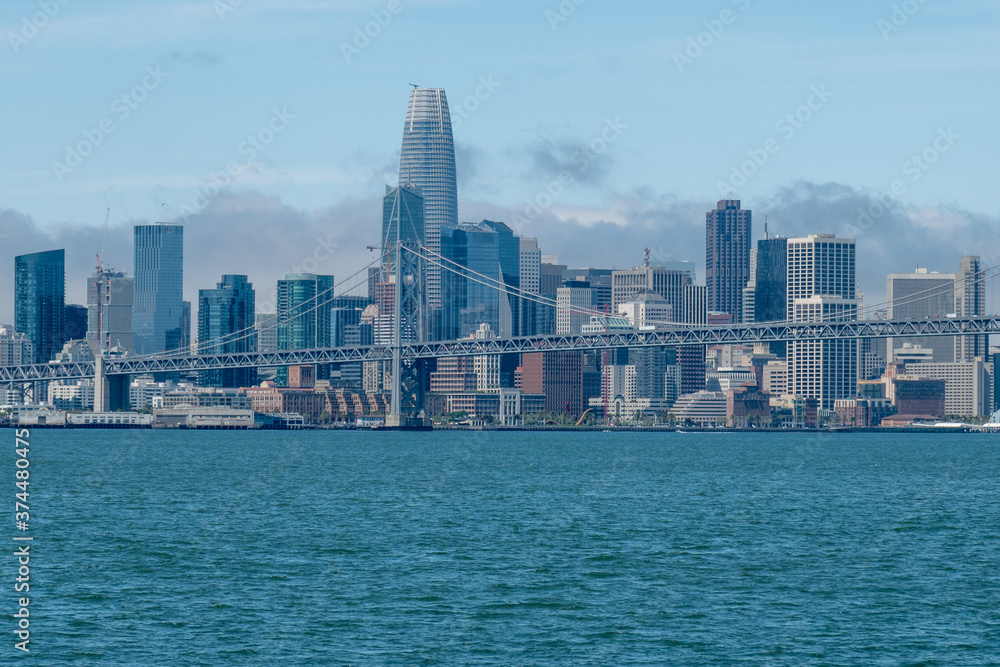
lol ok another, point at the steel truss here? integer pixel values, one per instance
(748, 334)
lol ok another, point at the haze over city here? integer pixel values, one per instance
(809, 114)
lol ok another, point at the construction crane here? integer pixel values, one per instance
(99, 284)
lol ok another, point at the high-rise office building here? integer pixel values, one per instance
(15, 348)
(109, 311)
(647, 310)
(75, 322)
(348, 330)
(402, 207)
(600, 286)
(668, 280)
(770, 284)
(674, 282)
(728, 231)
(550, 279)
(557, 375)
(509, 248)
(970, 301)
(226, 319)
(374, 273)
(574, 308)
(158, 299)
(821, 287)
(691, 358)
(427, 161)
(469, 300)
(750, 291)
(186, 325)
(304, 303)
(266, 328)
(919, 295)
(650, 365)
(40, 301)
(530, 278)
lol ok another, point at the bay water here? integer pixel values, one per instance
(514, 548)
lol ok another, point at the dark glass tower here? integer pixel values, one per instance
(40, 301)
(469, 303)
(158, 301)
(771, 294)
(727, 257)
(427, 162)
(510, 272)
(305, 303)
(405, 206)
(226, 318)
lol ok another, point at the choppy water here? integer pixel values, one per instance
(526, 548)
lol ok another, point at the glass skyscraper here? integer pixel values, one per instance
(305, 304)
(427, 162)
(510, 269)
(470, 300)
(158, 301)
(226, 318)
(770, 292)
(40, 301)
(402, 205)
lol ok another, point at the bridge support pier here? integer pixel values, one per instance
(111, 392)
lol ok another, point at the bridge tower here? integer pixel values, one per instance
(404, 268)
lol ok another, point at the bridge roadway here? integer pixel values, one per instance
(729, 335)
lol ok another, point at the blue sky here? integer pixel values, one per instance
(886, 81)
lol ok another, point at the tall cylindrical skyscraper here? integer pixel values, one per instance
(427, 161)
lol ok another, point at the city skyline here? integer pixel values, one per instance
(510, 153)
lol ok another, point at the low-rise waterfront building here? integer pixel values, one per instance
(703, 408)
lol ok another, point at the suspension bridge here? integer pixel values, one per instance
(407, 348)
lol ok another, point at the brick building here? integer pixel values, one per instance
(557, 375)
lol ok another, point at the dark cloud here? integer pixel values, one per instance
(549, 158)
(894, 237)
(245, 233)
(263, 237)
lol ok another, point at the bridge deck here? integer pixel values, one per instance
(730, 335)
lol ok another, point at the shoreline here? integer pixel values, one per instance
(680, 430)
